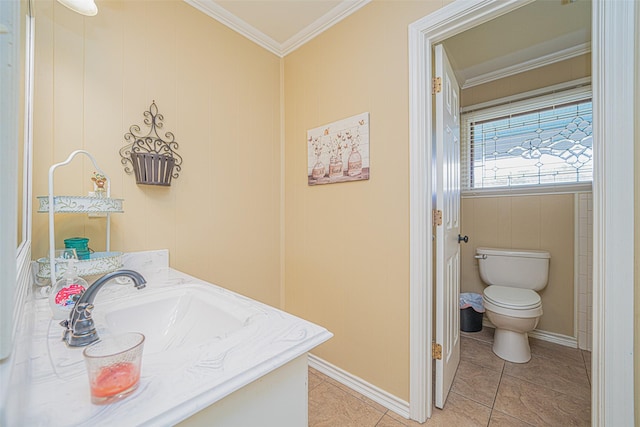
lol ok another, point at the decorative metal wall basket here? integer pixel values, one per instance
(152, 159)
(152, 169)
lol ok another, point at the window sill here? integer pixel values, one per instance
(527, 190)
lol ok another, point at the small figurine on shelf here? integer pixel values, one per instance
(99, 182)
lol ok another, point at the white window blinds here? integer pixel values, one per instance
(535, 142)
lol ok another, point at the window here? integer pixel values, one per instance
(544, 141)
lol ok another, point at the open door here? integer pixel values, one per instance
(447, 207)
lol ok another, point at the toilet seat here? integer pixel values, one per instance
(515, 298)
(515, 302)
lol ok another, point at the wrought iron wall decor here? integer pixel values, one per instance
(153, 160)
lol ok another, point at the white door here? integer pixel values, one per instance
(447, 179)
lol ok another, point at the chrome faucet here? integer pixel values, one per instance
(80, 330)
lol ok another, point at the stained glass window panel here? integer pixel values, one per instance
(547, 146)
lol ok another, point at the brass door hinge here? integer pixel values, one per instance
(437, 217)
(436, 351)
(436, 85)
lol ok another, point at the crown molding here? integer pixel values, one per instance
(542, 61)
(335, 15)
(225, 17)
(326, 21)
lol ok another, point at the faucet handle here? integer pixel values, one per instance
(88, 309)
(79, 328)
(83, 322)
(84, 311)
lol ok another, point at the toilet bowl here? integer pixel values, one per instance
(511, 302)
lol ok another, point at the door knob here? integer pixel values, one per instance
(463, 239)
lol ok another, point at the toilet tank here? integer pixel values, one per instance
(519, 268)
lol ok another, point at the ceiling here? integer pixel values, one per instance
(537, 34)
(280, 26)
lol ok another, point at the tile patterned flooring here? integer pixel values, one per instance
(553, 389)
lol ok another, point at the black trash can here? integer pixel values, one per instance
(470, 320)
(471, 312)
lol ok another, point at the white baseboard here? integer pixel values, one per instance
(564, 340)
(370, 391)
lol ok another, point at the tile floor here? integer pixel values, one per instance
(553, 389)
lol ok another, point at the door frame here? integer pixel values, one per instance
(613, 33)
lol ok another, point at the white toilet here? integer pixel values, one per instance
(510, 300)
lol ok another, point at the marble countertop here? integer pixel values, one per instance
(174, 384)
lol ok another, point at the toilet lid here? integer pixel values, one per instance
(512, 297)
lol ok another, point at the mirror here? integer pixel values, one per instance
(16, 87)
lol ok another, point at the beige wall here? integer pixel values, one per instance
(220, 96)
(347, 245)
(528, 222)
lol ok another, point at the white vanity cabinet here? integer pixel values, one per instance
(279, 399)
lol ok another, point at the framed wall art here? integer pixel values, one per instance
(339, 151)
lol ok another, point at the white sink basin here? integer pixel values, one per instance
(180, 317)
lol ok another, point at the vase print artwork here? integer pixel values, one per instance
(343, 146)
